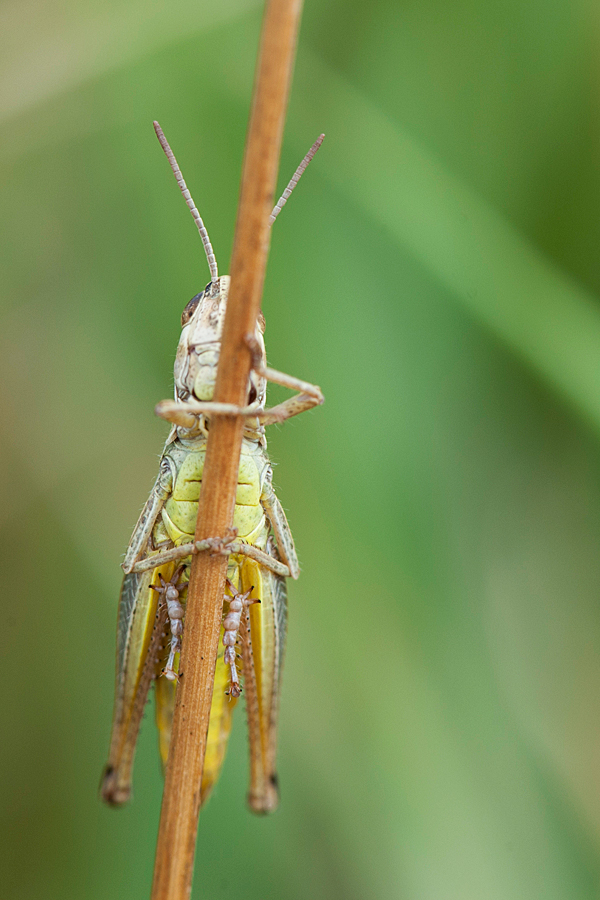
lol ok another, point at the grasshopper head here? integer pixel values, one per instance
(202, 319)
(200, 343)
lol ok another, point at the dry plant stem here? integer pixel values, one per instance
(181, 798)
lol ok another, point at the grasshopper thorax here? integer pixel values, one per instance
(200, 343)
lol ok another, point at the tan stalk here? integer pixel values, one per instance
(181, 799)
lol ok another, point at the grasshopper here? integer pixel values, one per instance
(260, 551)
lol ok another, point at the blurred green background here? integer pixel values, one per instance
(437, 273)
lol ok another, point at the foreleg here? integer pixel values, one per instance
(184, 412)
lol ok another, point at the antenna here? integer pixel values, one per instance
(294, 179)
(210, 256)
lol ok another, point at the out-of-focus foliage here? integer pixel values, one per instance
(437, 272)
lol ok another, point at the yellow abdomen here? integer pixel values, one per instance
(178, 523)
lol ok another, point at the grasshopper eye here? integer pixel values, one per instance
(190, 309)
(252, 395)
